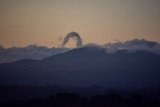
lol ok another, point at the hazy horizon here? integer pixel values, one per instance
(72, 44)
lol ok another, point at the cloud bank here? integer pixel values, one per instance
(134, 45)
(39, 52)
(29, 52)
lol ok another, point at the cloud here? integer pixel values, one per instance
(29, 52)
(75, 36)
(1, 47)
(134, 45)
(39, 52)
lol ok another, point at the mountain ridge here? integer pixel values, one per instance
(86, 66)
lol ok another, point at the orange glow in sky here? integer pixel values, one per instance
(24, 22)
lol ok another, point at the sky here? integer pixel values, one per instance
(46, 22)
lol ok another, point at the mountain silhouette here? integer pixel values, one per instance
(86, 66)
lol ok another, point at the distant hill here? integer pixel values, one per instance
(86, 66)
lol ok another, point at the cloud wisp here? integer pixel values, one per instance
(75, 36)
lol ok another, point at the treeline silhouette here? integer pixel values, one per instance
(65, 99)
(92, 96)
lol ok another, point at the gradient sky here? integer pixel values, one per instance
(43, 22)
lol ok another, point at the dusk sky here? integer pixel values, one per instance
(43, 22)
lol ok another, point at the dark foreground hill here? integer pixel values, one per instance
(86, 66)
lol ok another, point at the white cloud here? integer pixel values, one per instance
(134, 45)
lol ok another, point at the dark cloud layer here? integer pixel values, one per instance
(75, 36)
